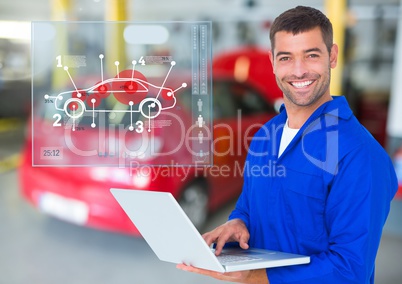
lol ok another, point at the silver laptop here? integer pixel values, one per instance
(173, 238)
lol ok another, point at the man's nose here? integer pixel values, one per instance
(299, 68)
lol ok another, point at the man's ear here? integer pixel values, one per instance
(271, 58)
(333, 56)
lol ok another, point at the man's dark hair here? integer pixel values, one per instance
(302, 19)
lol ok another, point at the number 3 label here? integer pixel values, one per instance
(140, 126)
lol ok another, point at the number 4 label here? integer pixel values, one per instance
(142, 60)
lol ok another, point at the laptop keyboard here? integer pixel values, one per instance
(228, 258)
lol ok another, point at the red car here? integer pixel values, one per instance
(245, 96)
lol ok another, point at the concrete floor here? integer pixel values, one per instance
(38, 249)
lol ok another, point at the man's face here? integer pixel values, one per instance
(302, 66)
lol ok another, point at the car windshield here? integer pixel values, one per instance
(229, 97)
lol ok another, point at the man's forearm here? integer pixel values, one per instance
(258, 276)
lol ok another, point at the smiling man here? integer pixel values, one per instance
(335, 197)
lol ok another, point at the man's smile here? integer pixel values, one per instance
(301, 84)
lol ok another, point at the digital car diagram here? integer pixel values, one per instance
(129, 87)
(121, 94)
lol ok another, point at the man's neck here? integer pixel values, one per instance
(298, 115)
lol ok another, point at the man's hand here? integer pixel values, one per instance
(232, 231)
(248, 276)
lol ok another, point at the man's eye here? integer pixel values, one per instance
(284, 59)
(313, 55)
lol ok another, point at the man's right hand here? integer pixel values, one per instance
(232, 231)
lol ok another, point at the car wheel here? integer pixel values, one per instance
(194, 201)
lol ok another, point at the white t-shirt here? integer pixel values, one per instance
(287, 136)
